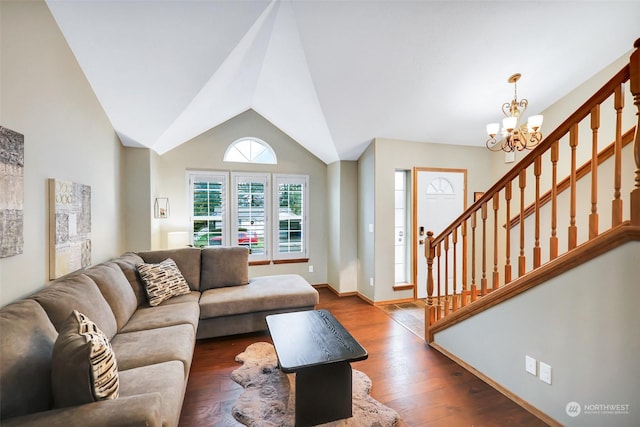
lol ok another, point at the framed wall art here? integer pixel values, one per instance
(11, 192)
(69, 227)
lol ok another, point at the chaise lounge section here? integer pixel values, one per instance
(153, 345)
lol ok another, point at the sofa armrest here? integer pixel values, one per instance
(130, 411)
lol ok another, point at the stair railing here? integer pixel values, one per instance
(487, 247)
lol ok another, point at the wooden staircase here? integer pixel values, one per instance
(511, 239)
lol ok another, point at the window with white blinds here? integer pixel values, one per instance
(231, 209)
(208, 208)
(250, 207)
(290, 229)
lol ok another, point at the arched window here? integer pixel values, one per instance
(440, 185)
(250, 150)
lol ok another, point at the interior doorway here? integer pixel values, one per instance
(439, 198)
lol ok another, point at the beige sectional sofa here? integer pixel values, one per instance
(153, 345)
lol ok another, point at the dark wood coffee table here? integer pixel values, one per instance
(318, 349)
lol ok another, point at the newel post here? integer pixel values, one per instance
(429, 310)
(634, 77)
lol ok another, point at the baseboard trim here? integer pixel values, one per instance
(339, 294)
(361, 296)
(395, 301)
(365, 299)
(507, 393)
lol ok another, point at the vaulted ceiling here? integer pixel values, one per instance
(333, 75)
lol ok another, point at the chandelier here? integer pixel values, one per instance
(515, 136)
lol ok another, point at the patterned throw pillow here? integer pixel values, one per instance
(162, 281)
(83, 367)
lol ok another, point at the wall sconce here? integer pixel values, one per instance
(161, 208)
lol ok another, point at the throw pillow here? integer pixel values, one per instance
(83, 364)
(162, 281)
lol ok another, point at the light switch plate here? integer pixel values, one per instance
(545, 373)
(530, 365)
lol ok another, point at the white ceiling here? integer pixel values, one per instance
(333, 75)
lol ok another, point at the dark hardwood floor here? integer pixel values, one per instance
(423, 386)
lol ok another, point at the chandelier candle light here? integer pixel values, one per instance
(514, 135)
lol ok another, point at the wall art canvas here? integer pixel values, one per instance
(11, 192)
(69, 226)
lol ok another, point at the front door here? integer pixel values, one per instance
(439, 198)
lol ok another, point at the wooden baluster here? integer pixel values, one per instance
(507, 266)
(496, 276)
(429, 310)
(593, 217)
(634, 79)
(483, 281)
(616, 208)
(553, 240)
(537, 171)
(465, 256)
(522, 259)
(446, 276)
(439, 290)
(474, 288)
(573, 229)
(454, 238)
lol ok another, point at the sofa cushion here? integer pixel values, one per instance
(165, 378)
(166, 314)
(115, 288)
(26, 343)
(261, 294)
(224, 267)
(162, 281)
(78, 292)
(136, 410)
(187, 260)
(83, 366)
(141, 348)
(127, 263)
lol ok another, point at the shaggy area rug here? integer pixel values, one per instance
(268, 398)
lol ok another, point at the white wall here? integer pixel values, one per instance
(366, 219)
(583, 323)
(138, 214)
(67, 135)
(167, 178)
(377, 251)
(342, 183)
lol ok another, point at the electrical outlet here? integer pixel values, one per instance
(311, 269)
(545, 373)
(371, 281)
(530, 365)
